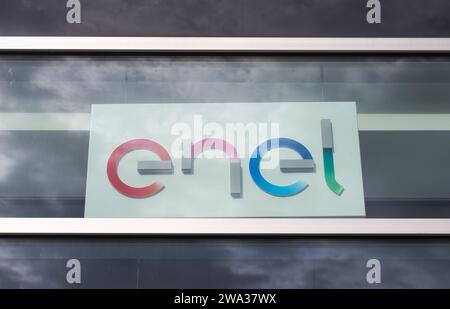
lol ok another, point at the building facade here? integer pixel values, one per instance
(357, 91)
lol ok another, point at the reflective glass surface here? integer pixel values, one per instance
(45, 103)
(223, 263)
(225, 18)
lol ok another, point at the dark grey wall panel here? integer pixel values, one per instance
(223, 263)
(283, 18)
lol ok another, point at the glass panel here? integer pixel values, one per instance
(223, 263)
(226, 18)
(45, 103)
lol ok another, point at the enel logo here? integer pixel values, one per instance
(190, 151)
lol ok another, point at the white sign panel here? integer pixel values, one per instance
(224, 160)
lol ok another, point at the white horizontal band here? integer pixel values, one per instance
(404, 122)
(81, 122)
(217, 44)
(44, 121)
(254, 226)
